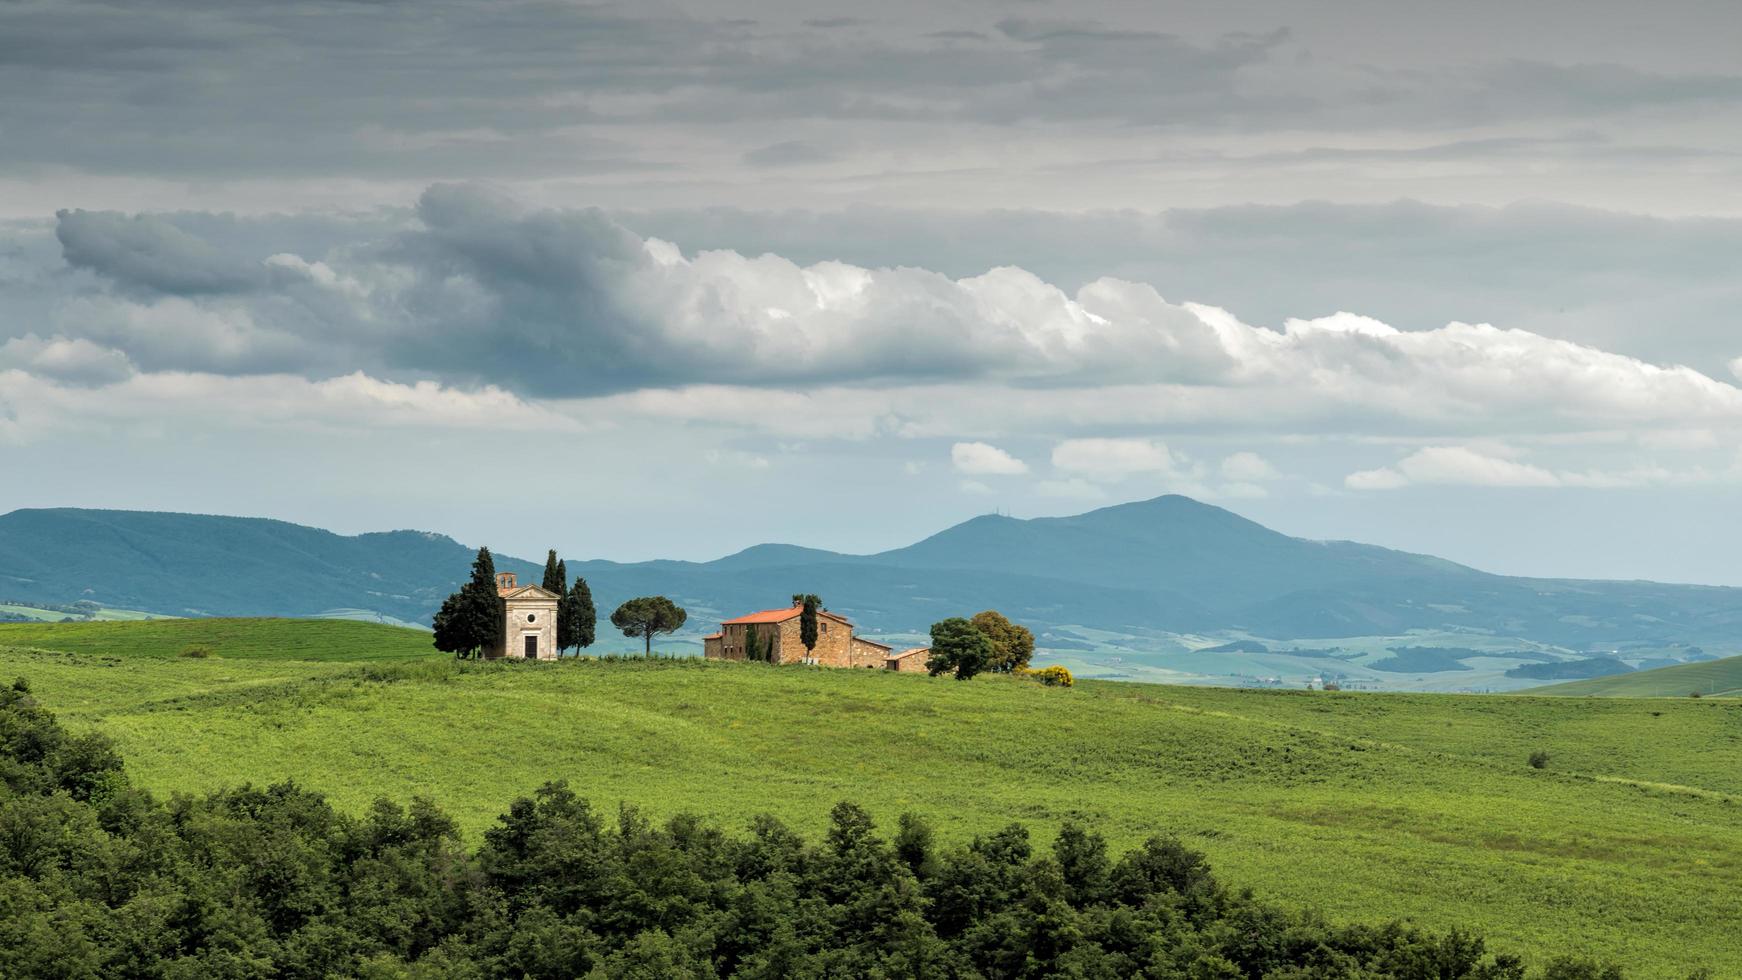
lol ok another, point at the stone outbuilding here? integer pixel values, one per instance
(530, 627)
(836, 644)
(911, 660)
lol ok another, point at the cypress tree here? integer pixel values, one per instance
(576, 618)
(481, 609)
(807, 620)
(555, 575)
(449, 635)
(471, 620)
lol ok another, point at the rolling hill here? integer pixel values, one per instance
(1368, 807)
(1712, 678)
(1171, 565)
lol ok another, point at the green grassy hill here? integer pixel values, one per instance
(1712, 678)
(1367, 806)
(236, 639)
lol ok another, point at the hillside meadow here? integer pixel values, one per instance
(1711, 678)
(1628, 845)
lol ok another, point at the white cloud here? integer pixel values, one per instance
(75, 361)
(1492, 467)
(1111, 460)
(174, 401)
(1248, 467)
(1383, 478)
(985, 459)
(1462, 465)
(974, 487)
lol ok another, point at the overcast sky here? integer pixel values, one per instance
(670, 279)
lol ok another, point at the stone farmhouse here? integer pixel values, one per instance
(530, 629)
(836, 644)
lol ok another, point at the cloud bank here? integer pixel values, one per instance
(473, 289)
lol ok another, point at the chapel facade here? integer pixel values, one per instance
(529, 627)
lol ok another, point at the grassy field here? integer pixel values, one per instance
(230, 639)
(1628, 845)
(1713, 678)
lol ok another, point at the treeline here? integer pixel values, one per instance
(100, 879)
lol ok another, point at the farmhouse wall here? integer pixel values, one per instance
(909, 661)
(834, 642)
(836, 645)
(734, 638)
(867, 653)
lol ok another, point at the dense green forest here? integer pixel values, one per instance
(101, 879)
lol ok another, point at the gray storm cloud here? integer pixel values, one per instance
(148, 253)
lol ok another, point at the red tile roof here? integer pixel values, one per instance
(781, 616)
(713, 636)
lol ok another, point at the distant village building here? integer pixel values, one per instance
(836, 644)
(530, 627)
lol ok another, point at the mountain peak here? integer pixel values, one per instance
(765, 555)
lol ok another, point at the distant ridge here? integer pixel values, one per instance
(202, 565)
(1167, 565)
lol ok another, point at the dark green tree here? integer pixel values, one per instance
(648, 615)
(759, 644)
(958, 646)
(556, 579)
(471, 620)
(807, 620)
(1012, 645)
(576, 617)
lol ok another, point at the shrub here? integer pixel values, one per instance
(1054, 676)
(197, 652)
(1539, 759)
(1693, 694)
